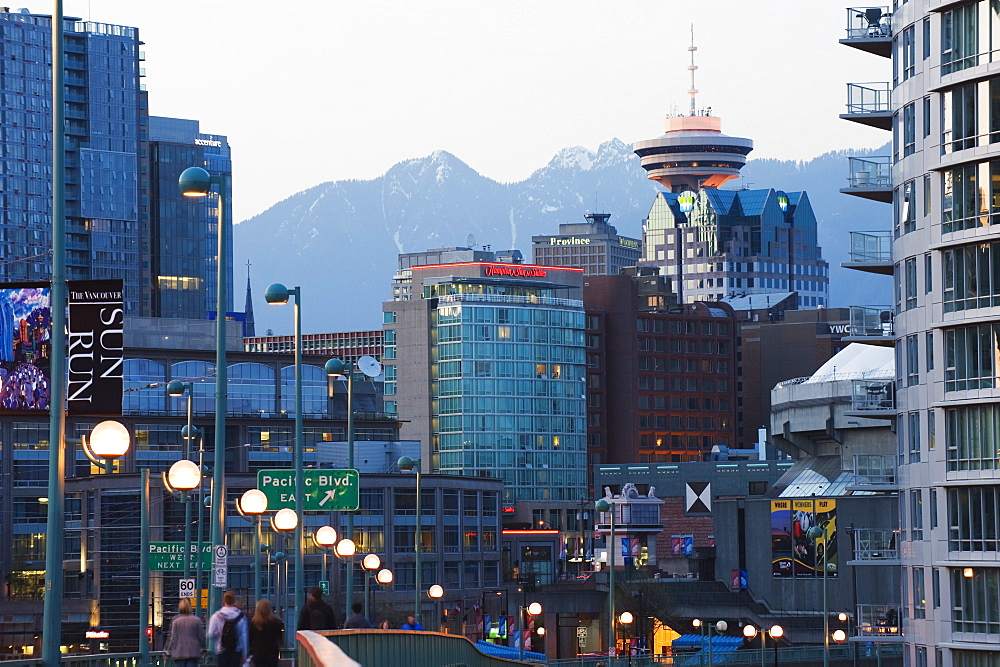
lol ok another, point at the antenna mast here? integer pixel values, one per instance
(692, 67)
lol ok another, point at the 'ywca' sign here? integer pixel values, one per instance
(95, 346)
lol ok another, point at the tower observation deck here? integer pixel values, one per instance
(693, 153)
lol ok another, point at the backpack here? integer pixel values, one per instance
(229, 639)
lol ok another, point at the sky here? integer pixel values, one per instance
(310, 91)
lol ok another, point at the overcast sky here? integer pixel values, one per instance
(310, 91)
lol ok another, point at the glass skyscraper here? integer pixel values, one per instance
(488, 366)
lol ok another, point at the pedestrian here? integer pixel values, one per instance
(384, 625)
(411, 624)
(186, 643)
(357, 621)
(266, 635)
(316, 614)
(228, 629)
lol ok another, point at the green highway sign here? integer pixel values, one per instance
(169, 556)
(325, 489)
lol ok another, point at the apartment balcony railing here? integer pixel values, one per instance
(874, 470)
(870, 104)
(869, 29)
(873, 398)
(872, 325)
(871, 252)
(870, 178)
(876, 545)
(878, 622)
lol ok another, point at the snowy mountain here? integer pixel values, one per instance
(339, 240)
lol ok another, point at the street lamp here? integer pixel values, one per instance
(177, 388)
(336, 368)
(405, 463)
(108, 441)
(719, 627)
(533, 609)
(839, 635)
(817, 533)
(196, 182)
(626, 618)
(435, 593)
(254, 503)
(283, 521)
(277, 294)
(602, 506)
(325, 537)
(370, 563)
(185, 476)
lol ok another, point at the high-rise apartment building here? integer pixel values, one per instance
(180, 248)
(716, 243)
(102, 97)
(485, 363)
(594, 246)
(943, 251)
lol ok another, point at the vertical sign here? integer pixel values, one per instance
(95, 343)
(220, 569)
(25, 347)
(781, 538)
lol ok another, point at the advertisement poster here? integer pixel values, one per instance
(781, 538)
(25, 347)
(95, 346)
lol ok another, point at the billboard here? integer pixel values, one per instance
(95, 347)
(793, 552)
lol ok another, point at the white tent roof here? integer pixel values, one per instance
(857, 361)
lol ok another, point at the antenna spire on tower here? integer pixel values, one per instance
(692, 67)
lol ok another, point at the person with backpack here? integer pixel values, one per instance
(228, 628)
(316, 614)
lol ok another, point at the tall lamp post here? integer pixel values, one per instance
(177, 388)
(325, 537)
(436, 592)
(533, 609)
(336, 368)
(196, 182)
(602, 506)
(370, 563)
(405, 463)
(254, 503)
(719, 626)
(346, 548)
(283, 521)
(626, 618)
(277, 294)
(817, 533)
(776, 632)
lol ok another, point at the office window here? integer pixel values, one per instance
(910, 283)
(913, 436)
(959, 38)
(971, 277)
(973, 524)
(909, 52)
(916, 515)
(919, 596)
(958, 118)
(975, 602)
(971, 433)
(909, 129)
(912, 360)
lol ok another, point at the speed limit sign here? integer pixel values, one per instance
(187, 588)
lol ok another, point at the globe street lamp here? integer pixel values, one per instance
(370, 563)
(283, 521)
(108, 442)
(405, 464)
(533, 609)
(775, 632)
(435, 593)
(602, 506)
(277, 294)
(185, 476)
(817, 533)
(196, 182)
(626, 618)
(336, 368)
(325, 537)
(254, 503)
(177, 388)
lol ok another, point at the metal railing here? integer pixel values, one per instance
(512, 298)
(873, 395)
(871, 246)
(156, 659)
(869, 23)
(874, 470)
(872, 544)
(873, 97)
(873, 321)
(870, 172)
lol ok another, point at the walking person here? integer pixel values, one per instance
(316, 614)
(186, 643)
(357, 621)
(228, 629)
(266, 635)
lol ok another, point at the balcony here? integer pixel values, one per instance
(870, 178)
(872, 325)
(871, 252)
(869, 104)
(874, 399)
(869, 29)
(874, 472)
(876, 547)
(878, 623)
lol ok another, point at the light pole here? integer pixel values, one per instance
(184, 476)
(626, 618)
(602, 506)
(283, 521)
(405, 463)
(370, 563)
(254, 503)
(196, 182)
(816, 533)
(436, 592)
(384, 576)
(177, 388)
(346, 548)
(325, 537)
(55, 522)
(533, 609)
(335, 368)
(776, 631)
(277, 294)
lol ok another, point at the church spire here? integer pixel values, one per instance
(248, 325)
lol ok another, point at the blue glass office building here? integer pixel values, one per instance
(102, 96)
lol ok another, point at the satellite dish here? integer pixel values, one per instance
(369, 366)
(470, 240)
